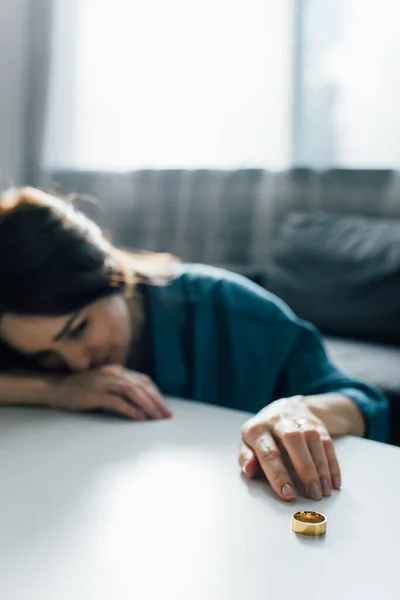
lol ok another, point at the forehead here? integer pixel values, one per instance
(31, 333)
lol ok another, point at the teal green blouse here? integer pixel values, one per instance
(220, 339)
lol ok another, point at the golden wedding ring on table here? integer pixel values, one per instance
(308, 522)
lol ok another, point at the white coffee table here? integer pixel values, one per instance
(95, 508)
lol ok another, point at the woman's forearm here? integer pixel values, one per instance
(339, 413)
(25, 388)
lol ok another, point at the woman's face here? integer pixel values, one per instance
(98, 334)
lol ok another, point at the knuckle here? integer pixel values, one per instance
(269, 454)
(292, 436)
(245, 429)
(279, 474)
(329, 448)
(326, 439)
(243, 456)
(142, 378)
(328, 443)
(253, 428)
(312, 435)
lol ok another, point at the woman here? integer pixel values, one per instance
(84, 326)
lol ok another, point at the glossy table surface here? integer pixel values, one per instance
(98, 508)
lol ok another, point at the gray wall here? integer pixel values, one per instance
(14, 57)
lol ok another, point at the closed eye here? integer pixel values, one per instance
(77, 332)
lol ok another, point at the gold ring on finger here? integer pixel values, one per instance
(301, 422)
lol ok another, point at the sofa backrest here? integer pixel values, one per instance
(224, 217)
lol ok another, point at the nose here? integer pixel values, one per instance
(77, 358)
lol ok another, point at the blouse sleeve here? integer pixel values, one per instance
(308, 371)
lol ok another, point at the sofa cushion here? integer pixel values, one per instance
(342, 273)
(375, 364)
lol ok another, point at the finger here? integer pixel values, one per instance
(270, 461)
(116, 403)
(248, 461)
(294, 441)
(125, 381)
(318, 454)
(333, 463)
(130, 386)
(138, 395)
(146, 392)
(156, 396)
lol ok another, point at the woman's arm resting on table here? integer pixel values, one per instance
(331, 403)
(131, 394)
(309, 372)
(29, 388)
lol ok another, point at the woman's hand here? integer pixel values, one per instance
(113, 387)
(290, 424)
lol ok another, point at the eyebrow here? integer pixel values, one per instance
(67, 327)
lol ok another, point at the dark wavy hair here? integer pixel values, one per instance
(54, 260)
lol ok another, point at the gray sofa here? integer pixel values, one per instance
(234, 219)
(342, 273)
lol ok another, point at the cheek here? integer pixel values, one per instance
(110, 327)
(119, 331)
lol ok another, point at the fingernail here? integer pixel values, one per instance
(288, 492)
(244, 466)
(336, 482)
(326, 488)
(314, 491)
